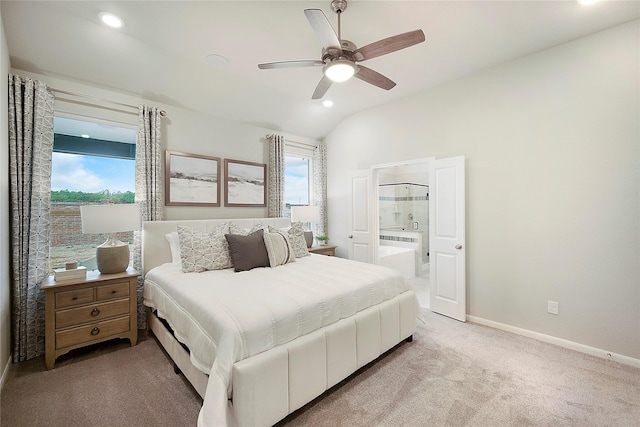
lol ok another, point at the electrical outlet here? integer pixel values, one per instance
(552, 307)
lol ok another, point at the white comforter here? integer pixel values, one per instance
(224, 317)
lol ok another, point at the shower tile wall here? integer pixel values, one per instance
(406, 207)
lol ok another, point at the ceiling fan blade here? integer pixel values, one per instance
(388, 45)
(322, 28)
(373, 77)
(291, 64)
(321, 89)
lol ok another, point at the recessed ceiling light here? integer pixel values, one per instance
(111, 20)
(327, 103)
(587, 2)
(216, 60)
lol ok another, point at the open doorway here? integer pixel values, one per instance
(402, 200)
(443, 285)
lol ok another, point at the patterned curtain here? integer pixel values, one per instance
(148, 187)
(275, 192)
(30, 153)
(320, 185)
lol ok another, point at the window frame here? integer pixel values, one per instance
(78, 249)
(304, 152)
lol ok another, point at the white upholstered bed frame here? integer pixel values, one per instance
(269, 386)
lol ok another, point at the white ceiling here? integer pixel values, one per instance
(160, 52)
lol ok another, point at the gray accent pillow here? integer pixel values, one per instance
(247, 252)
(201, 251)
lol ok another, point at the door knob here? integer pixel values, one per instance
(458, 246)
(350, 236)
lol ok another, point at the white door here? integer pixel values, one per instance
(447, 288)
(360, 220)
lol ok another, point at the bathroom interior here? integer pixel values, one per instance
(403, 209)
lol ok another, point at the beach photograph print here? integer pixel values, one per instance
(192, 180)
(245, 183)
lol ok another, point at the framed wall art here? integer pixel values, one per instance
(246, 183)
(191, 180)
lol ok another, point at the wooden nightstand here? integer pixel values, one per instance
(83, 312)
(328, 250)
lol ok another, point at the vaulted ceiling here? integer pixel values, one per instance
(160, 53)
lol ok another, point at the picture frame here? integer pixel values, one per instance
(191, 179)
(245, 184)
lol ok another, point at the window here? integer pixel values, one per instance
(93, 162)
(298, 178)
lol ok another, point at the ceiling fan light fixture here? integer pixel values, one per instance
(340, 70)
(111, 20)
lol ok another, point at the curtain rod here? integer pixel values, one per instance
(95, 98)
(289, 141)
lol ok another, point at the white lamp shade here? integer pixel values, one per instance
(305, 213)
(104, 219)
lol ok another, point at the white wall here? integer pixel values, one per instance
(5, 311)
(553, 211)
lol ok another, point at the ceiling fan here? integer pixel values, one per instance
(340, 57)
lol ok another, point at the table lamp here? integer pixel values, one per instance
(113, 255)
(306, 214)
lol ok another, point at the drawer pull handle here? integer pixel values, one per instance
(95, 312)
(74, 298)
(95, 331)
(113, 292)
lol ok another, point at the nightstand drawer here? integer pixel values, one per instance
(74, 297)
(116, 290)
(91, 313)
(94, 331)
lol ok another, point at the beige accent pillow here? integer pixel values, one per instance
(201, 251)
(278, 248)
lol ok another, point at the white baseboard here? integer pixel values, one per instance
(604, 354)
(5, 372)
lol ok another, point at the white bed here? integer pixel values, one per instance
(267, 341)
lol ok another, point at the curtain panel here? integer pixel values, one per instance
(30, 154)
(320, 185)
(275, 191)
(149, 182)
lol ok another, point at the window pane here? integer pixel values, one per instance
(296, 181)
(100, 172)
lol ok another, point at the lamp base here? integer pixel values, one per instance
(112, 258)
(308, 237)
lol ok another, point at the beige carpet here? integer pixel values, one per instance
(452, 374)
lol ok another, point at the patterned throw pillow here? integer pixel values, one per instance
(298, 242)
(201, 251)
(278, 248)
(236, 229)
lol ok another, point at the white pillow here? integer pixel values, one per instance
(174, 245)
(278, 248)
(201, 251)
